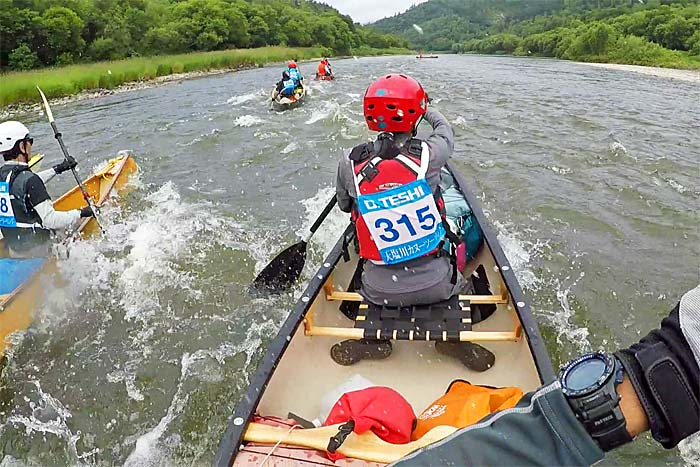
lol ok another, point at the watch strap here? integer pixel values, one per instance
(615, 436)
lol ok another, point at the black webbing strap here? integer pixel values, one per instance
(671, 391)
(440, 321)
(344, 431)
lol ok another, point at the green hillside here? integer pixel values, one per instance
(644, 32)
(37, 33)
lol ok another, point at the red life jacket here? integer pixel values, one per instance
(375, 174)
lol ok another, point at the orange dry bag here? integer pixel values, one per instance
(464, 404)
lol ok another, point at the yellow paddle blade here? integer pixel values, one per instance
(367, 446)
(34, 161)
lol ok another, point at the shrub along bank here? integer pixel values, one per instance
(20, 87)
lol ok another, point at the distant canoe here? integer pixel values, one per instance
(426, 56)
(280, 103)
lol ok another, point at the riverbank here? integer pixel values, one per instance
(75, 82)
(691, 76)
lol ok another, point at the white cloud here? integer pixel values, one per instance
(366, 11)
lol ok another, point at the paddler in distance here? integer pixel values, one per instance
(285, 87)
(401, 232)
(324, 70)
(294, 73)
(27, 216)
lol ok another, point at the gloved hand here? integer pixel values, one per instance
(87, 212)
(67, 164)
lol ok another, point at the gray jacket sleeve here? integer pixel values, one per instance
(441, 144)
(345, 185)
(540, 430)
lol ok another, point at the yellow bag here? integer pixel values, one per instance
(464, 404)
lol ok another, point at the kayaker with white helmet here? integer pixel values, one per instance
(27, 216)
(399, 213)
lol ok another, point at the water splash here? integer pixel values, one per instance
(247, 121)
(50, 416)
(240, 99)
(291, 147)
(690, 450)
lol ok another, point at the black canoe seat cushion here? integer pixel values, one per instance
(441, 321)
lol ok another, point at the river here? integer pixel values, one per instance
(143, 347)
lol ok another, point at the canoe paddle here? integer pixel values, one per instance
(57, 135)
(286, 267)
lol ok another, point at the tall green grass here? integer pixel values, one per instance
(20, 87)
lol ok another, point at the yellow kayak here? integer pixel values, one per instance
(20, 287)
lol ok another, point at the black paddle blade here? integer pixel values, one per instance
(283, 271)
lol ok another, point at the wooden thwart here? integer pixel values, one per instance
(367, 446)
(473, 299)
(464, 336)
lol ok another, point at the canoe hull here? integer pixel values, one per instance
(285, 103)
(300, 352)
(17, 307)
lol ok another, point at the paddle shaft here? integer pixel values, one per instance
(59, 138)
(321, 217)
(86, 196)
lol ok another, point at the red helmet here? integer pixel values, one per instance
(394, 103)
(292, 64)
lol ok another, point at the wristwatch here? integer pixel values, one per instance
(589, 384)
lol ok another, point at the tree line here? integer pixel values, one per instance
(664, 32)
(667, 35)
(36, 33)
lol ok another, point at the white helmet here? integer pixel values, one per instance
(10, 133)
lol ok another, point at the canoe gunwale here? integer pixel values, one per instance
(529, 325)
(245, 409)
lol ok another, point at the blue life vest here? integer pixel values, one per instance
(294, 74)
(288, 88)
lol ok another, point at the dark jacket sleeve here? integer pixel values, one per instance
(540, 430)
(677, 340)
(345, 185)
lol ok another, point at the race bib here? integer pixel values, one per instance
(404, 222)
(7, 215)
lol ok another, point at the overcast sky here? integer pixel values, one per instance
(366, 11)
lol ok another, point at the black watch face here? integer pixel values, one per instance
(584, 375)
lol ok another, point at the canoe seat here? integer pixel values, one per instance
(445, 321)
(440, 321)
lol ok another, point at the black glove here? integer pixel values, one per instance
(87, 212)
(67, 164)
(666, 378)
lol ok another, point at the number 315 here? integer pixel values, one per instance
(425, 219)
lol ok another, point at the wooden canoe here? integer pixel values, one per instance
(21, 288)
(284, 103)
(297, 370)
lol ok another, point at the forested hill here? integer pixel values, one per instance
(643, 32)
(36, 33)
(445, 22)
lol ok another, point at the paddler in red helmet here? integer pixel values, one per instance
(324, 70)
(400, 232)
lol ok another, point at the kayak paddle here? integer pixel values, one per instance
(286, 267)
(57, 135)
